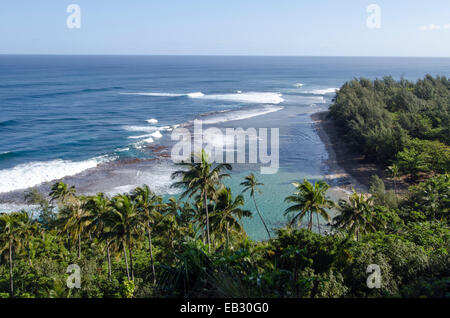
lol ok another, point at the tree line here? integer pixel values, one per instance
(138, 245)
(403, 125)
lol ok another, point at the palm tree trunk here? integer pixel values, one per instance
(207, 223)
(318, 222)
(310, 221)
(109, 259)
(228, 236)
(126, 261)
(11, 284)
(262, 220)
(79, 245)
(131, 263)
(151, 255)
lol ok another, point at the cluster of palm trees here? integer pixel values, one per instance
(119, 222)
(125, 222)
(16, 232)
(309, 199)
(355, 216)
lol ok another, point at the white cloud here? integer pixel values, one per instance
(447, 26)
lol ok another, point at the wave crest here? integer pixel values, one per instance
(32, 174)
(249, 97)
(239, 114)
(324, 91)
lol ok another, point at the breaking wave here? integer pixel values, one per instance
(325, 91)
(32, 174)
(239, 114)
(248, 97)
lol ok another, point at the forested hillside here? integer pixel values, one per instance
(397, 123)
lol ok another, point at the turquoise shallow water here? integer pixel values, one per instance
(103, 123)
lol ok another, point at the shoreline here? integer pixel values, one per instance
(347, 169)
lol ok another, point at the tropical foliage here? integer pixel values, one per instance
(137, 245)
(400, 122)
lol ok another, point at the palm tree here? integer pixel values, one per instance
(183, 214)
(61, 193)
(309, 199)
(10, 238)
(29, 230)
(227, 213)
(192, 216)
(99, 213)
(252, 185)
(148, 205)
(200, 179)
(125, 226)
(356, 215)
(74, 219)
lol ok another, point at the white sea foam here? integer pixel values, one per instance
(314, 99)
(140, 136)
(325, 91)
(157, 134)
(148, 140)
(160, 179)
(227, 116)
(298, 85)
(166, 128)
(124, 179)
(34, 173)
(152, 121)
(141, 143)
(249, 97)
(141, 128)
(196, 95)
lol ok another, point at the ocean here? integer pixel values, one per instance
(104, 123)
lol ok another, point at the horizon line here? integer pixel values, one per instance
(221, 55)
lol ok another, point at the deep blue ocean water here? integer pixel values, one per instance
(87, 119)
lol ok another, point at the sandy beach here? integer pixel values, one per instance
(347, 168)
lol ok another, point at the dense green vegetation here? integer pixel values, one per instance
(136, 245)
(398, 123)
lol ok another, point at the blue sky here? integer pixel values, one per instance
(226, 27)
